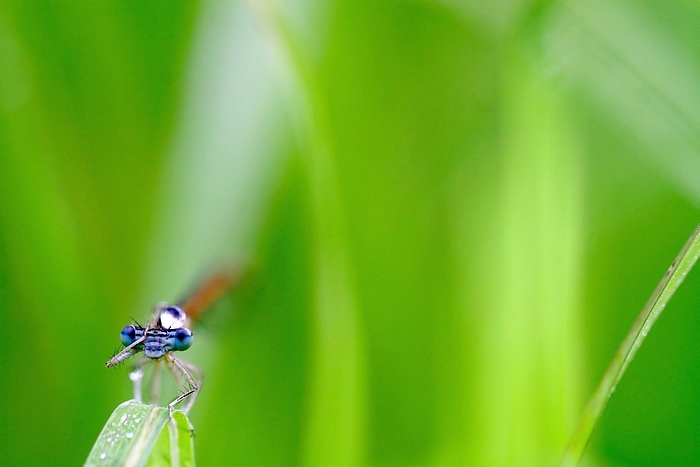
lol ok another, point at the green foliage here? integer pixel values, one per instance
(449, 213)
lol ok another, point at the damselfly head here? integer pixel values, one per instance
(165, 333)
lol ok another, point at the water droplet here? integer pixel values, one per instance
(136, 375)
(123, 419)
(172, 317)
(103, 456)
(129, 435)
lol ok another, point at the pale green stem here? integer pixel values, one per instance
(673, 278)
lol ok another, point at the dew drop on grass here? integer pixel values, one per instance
(103, 456)
(123, 419)
(129, 435)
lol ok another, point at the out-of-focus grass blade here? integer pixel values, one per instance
(134, 435)
(620, 51)
(673, 278)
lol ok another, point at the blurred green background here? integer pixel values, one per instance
(450, 213)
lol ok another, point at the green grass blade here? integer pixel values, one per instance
(137, 434)
(175, 445)
(673, 278)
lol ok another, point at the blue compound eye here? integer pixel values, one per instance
(182, 340)
(128, 335)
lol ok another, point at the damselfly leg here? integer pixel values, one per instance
(193, 378)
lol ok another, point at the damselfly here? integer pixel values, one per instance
(168, 332)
